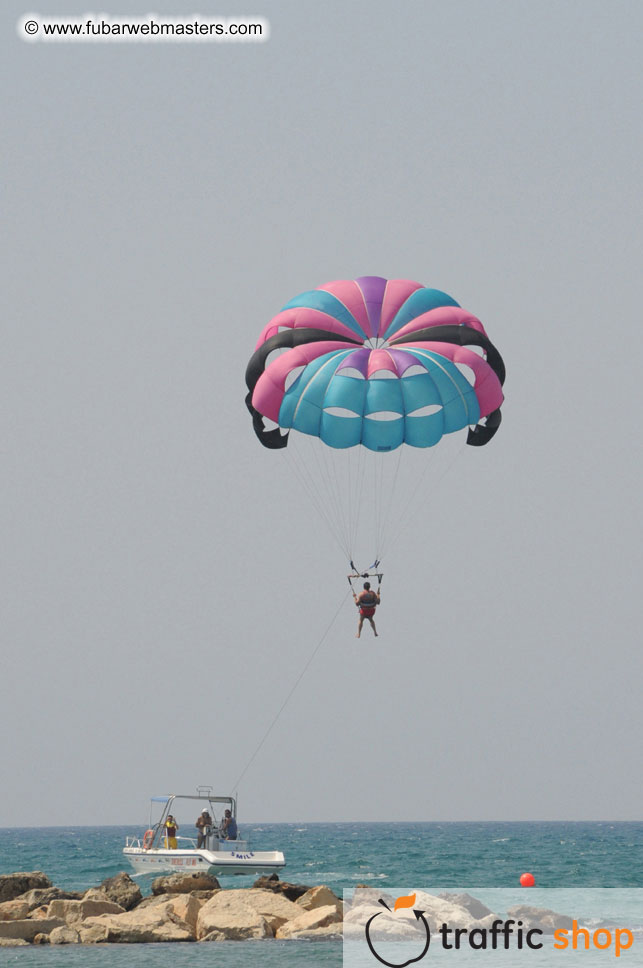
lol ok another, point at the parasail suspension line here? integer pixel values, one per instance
(292, 690)
(411, 504)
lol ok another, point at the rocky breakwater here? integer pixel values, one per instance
(456, 910)
(183, 907)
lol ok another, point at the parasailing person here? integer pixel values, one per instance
(367, 601)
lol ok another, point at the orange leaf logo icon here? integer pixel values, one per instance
(405, 902)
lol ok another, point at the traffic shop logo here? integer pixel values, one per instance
(401, 902)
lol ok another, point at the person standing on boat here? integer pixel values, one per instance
(229, 826)
(203, 825)
(171, 827)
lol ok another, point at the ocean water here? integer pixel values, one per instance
(342, 855)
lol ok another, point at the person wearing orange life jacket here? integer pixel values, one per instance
(367, 601)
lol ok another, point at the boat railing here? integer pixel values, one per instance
(190, 843)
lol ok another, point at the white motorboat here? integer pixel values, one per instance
(213, 852)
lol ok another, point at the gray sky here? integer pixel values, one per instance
(163, 580)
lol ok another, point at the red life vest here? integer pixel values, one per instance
(367, 604)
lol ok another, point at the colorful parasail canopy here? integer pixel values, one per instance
(375, 362)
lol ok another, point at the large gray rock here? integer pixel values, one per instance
(440, 910)
(90, 933)
(334, 932)
(14, 910)
(309, 922)
(402, 927)
(13, 885)
(229, 917)
(403, 924)
(185, 883)
(152, 900)
(542, 918)
(186, 908)
(94, 894)
(41, 897)
(149, 924)
(64, 935)
(122, 890)
(272, 883)
(320, 896)
(28, 928)
(471, 904)
(73, 911)
(274, 908)
(369, 896)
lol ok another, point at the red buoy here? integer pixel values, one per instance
(527, 880)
